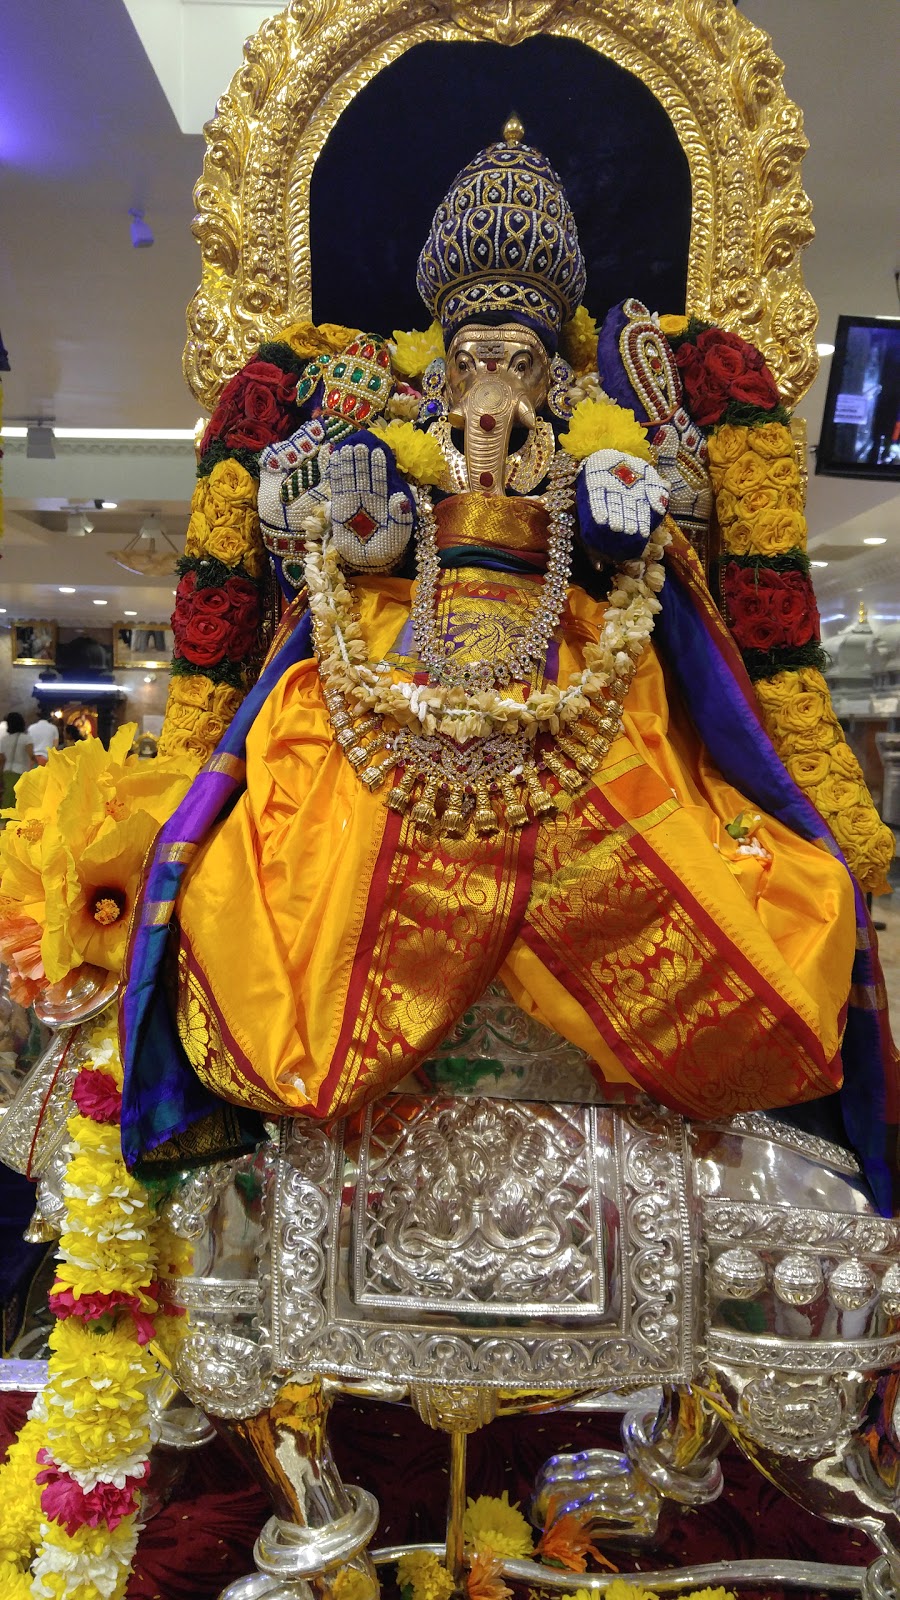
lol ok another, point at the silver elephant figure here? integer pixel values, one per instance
(472, 1247)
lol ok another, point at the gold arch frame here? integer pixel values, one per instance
(713, 71)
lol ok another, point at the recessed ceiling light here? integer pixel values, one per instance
(825, 349)
(818, 563)
(2, 611)
(64, 589)
(100, 602)
(875, 540)
(109, 505)
(130, 613)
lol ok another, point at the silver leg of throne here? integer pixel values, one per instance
(670, 1457)
(321, 1529)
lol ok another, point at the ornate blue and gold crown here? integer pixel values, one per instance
(503, 240)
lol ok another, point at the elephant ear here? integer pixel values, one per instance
(638, 369)
(636, 364)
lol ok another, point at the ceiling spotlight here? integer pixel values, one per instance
(824, 349)
(818, 563)
(875, 540)
(130, 613)
(77, 525)
(101, 602)
(64, 589)
(141, 233)
(105, 505)
(39, 445)
(150, 677)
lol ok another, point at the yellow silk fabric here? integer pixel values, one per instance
(277, 917)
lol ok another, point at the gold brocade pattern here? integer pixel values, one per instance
(688, 1022)
(493, 520)
(442, 925)
(201, 1038)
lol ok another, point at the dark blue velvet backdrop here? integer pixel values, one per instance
(398, 146)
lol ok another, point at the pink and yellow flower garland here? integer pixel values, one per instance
(70, 1489)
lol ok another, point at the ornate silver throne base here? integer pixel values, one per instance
(490, 1251)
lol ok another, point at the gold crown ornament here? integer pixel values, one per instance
(503, 240)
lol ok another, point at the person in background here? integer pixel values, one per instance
(15, 755)
(44, 736)
(72, 734)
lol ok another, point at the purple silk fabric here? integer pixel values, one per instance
(162, 1096)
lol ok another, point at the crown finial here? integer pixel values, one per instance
(513, 131)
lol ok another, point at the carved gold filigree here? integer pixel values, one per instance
(712, 70)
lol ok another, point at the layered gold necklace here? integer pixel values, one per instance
(463, 753)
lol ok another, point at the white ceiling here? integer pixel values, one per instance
(95, 328)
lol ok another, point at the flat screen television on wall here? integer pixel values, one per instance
(861, 424)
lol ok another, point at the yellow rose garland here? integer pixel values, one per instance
(759, 500)
(806, 733)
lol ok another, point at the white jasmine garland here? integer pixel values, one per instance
(462, 714)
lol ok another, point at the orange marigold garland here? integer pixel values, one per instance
(767, 591)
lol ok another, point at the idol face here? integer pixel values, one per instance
(497, 379)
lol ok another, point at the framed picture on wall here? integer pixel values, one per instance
(34, 644)
(142, 644)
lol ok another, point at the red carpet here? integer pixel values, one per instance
(204, 1536)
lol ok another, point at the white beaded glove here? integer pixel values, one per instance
(292, 477)
(372, 516)
(625, 494)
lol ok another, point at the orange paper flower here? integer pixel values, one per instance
(566, 1542)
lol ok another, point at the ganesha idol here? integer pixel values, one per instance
(504, 737)
(494, 879)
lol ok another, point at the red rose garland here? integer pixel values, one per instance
(215, 623)
(719, 367)
(769, 609)
(257, 406)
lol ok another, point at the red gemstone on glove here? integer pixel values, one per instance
(625, 474)
(362, 524)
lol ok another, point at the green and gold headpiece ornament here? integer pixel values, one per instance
(503, 242)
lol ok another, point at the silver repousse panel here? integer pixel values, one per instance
(485, 1241)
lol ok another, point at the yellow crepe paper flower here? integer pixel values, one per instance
(578, 341)
(603, 425)
(672, 326)
(78, 836)
(492, 1524)
(308, 339)
(417, 454)
(415, 351)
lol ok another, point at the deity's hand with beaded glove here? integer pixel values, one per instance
(292, 479)
(621, 499)
(372, 515)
